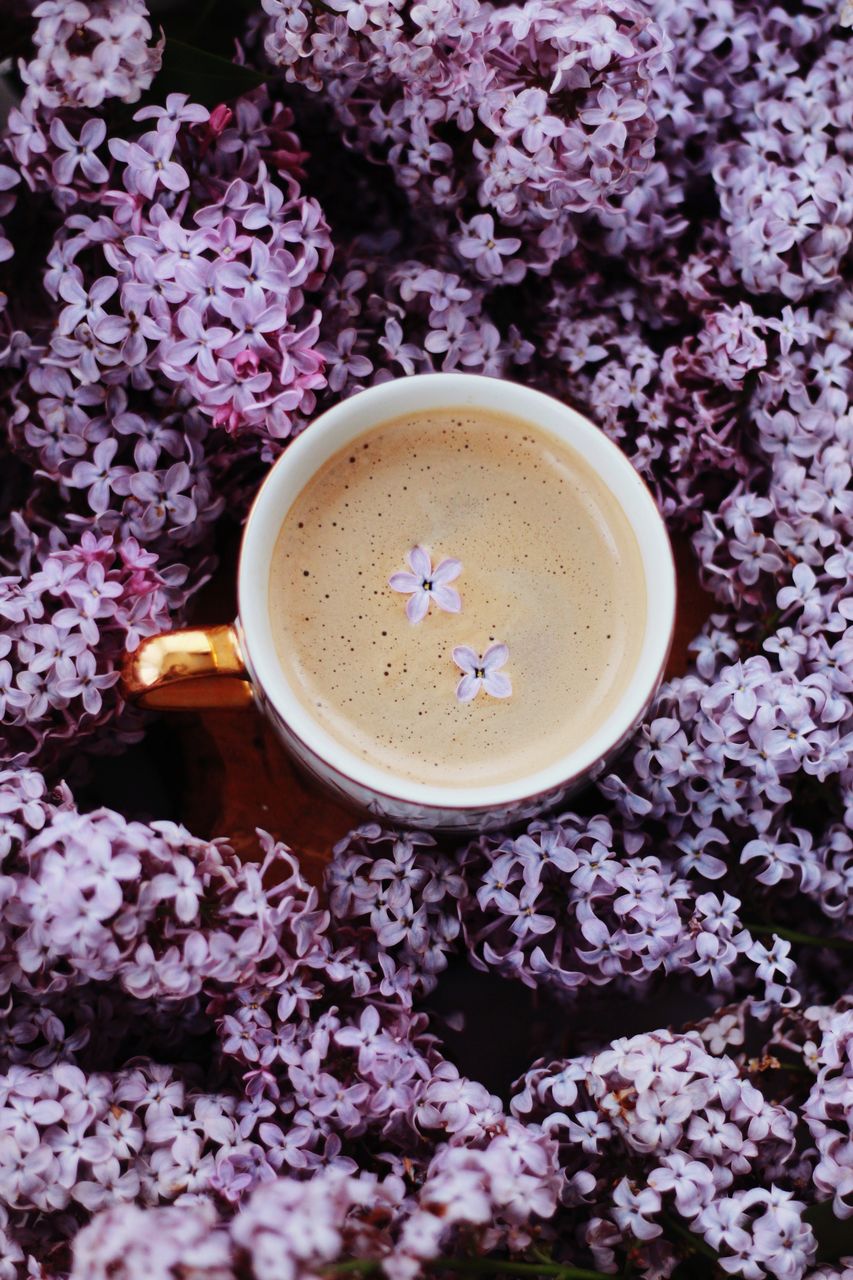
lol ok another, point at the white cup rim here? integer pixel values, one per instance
(337, 428)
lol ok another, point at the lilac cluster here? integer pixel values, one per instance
(95, 898)
(674, 411)
(100, 1139)
(751, 731)
(83, 54)
(401, 900)
(705, 1140)
(286, 1230)
(828, 1110)
(68, 619)
(504, 124)
(182, 269)
(390, 318)
(566, 905)
(309, 1060)
(786, 192)
(691, 1138)
(289, 1230)
(153, 354)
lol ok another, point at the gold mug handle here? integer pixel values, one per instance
(196, 667)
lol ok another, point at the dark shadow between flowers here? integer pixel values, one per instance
(494, 1028)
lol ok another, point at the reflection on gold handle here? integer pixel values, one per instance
(199, 667)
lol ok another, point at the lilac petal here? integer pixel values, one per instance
(466, 659)
(420, 562)
(495, 656)
(446, 571)
(416, 609)
(110, 328)
(447, 599)
(404, 582)
(468, 688)
(92, 134)
(497, 685)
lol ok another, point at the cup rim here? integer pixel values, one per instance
(345, 422)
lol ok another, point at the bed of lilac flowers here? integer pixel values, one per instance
(209, 1070)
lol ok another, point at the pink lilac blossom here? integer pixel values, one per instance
(83, 54)
(568, 905)
(415, 318)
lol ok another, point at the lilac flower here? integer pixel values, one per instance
(425, 584)
(198, 343)
(150, 163)
(529, 113)
(609, 116)
(481, 672)
(481, 244)
(86, 683)
(78, 152)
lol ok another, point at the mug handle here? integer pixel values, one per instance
(196, 667)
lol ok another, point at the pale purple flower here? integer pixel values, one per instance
(178, 110)
(425, 584)
(802, 592)
(529, 113)
(78, 152)
(610, 115)
(86, 683)
(794, 327)
(482, 672)
(343, 361)
(479, 242)
(198, 344)
(85, 305)
(150, 163)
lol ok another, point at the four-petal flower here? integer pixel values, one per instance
(425, 583)
(482, 672)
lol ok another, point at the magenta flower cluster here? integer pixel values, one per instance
(209, 1068)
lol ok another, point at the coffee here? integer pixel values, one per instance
(550, 568)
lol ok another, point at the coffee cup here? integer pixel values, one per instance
(233, 665)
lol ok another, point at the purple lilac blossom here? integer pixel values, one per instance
(426, 585)
(482, 671)
(67, 623)
(189, 275)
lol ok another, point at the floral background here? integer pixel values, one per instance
(217, 219)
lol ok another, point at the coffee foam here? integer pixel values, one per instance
(551, 567)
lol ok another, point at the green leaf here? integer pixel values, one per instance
(834, 1236)
(207, 77)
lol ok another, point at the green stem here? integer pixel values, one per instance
(804, 939)
(364, 1265)
(505, 1266)
(476, 1267)
(697, 1244)
(798, 1068)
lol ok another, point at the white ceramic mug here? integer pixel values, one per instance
(229, 665)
